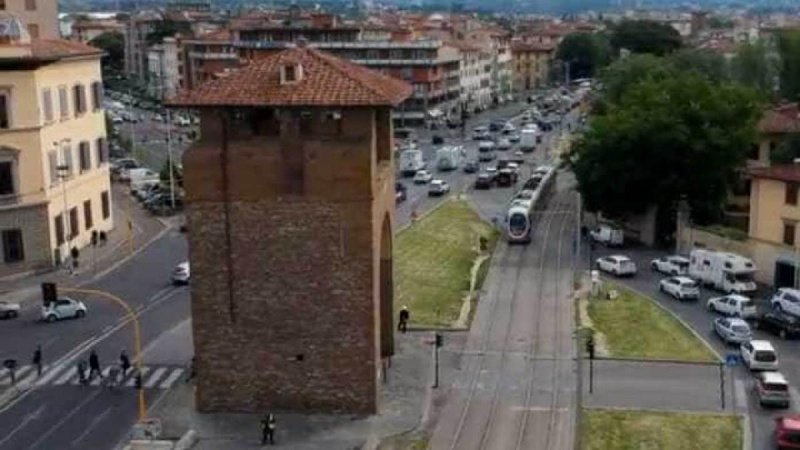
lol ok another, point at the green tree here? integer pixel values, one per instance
(620, 76)
(681, 136)
(789, 49)
(113, 44)
(165, 28)
(585, 52)
(708, 63)
(645, 36)
(754, 67)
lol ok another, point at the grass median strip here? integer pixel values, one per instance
(632, 429)
(433, 258)
(633, 327)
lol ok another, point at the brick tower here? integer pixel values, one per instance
(290, 200)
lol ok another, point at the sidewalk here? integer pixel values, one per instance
(404, 407)
(98, 261)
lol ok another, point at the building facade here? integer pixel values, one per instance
(40, 17)
(54, 180)
(532, 63)
(295, 159)
(165, 68)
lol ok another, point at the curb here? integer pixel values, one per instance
(747, 436)
(187, 441)
(675, 316)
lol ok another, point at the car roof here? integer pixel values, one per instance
(774, 378)
(790, 290)
(790, 422)
(736, 321)
(761, 344)
(678, 258)
(739, 297)
(684, 279)
(437, 181)
(620, 257)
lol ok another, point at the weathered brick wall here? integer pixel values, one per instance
(294, 324)
(33, 222)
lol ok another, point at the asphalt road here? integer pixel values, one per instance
(59, 413)
(516, 386)
(695, 314)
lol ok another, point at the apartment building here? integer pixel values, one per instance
(165, 68)
(54, 180)
(475, 75)
(86, 29)
(531, 62)
(40, 17)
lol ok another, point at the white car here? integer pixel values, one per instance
(680, 287)
(514, 137)
(503, 144)
(759, 355)
(618, 265)
(9, 310)
(786, 300)
(734, 305)
(438, 187)
(181, 273)
(732, 331)
(422, 177)
(63, 308)
(486, 146)
(671, 265)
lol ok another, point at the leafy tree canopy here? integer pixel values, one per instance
(113, 44)
(666, 138)
(755, 67)
(787, 151)
(645, 36)
(585, 52)
(789, 49)
(165, 28)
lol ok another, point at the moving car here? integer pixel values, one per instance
(9, 310)
(63, 308)
(422, 177)
(780, 324)
(437, 140)
(181, 274)
(518, 157)
(771, 389)
(680, 287)
(787, 432)
(618, 265)
(471, 167)
(672, 265)
(486, 156)
(503, 144)
(483, 181)
(786, 300)
(514, 137)
(732, 305)
(480, 133)
(400, 193)
(759, 355)
(486, 146)
(438, 187)
(732, 331)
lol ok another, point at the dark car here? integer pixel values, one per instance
(399, 192)
(778, 323)
(484, 181)
(437, 140)
(505, 178)
(471, 167)
(497, 125)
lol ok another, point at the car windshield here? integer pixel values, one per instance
(765, 356)
(778, 387)
(689, 284)
(740, 329)
(517, 223)
(743, 277)
(626, 264)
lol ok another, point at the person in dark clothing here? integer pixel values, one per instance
(268, 429)
(94, 365)
(37, 360)
(402, 325)
(124, 363)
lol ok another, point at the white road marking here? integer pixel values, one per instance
(740, 393)
(19, 374)
(64, 419)
(132, 379)
(98, 380)
(50, 374)
(167, 383)
(154, 377)
(68, 375)
(91, 426)
(30, 417)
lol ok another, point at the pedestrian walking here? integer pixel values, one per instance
(402, 325)
(268, 429)
(94, 365)
(124, 363)
(37, 360)
(81, 367)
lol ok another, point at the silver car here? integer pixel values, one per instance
(732, 331)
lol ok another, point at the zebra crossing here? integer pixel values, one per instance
(153, 377)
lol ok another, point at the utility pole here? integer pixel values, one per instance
(169, 139)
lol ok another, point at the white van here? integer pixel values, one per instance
(759, 355)
(411, 162)
(608, 235)
(727, 272)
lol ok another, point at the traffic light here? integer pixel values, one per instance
(439, 339)
(49, 293)
(94, 238)
(590, 347)
(138, 380)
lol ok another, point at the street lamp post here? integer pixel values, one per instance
(63, 174)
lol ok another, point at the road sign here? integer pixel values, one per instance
(731, 359)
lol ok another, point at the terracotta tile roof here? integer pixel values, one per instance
(781, 120)
(52, 49)
(326, 81)
(784, 172)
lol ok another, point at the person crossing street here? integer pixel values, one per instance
(124, 363)
(37, 360)
(94, 366)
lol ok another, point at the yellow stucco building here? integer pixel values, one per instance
(531, 63)
(54, 178)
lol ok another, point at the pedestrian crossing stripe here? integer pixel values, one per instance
(161, 377)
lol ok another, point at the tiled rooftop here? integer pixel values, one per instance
(784, 172)
(780, 120)
(325, 81)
